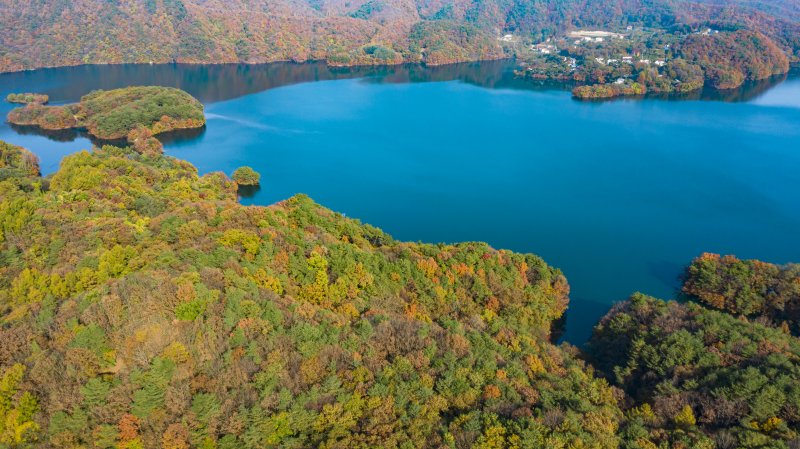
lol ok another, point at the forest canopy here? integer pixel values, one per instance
(767, 292)
(700, 378)
(246, 176)
(142, 306)
(359, 32)
(27, 98)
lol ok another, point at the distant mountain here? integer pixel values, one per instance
(45, 33)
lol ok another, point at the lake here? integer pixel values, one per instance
(620, 195)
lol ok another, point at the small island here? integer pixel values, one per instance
(28, 98)
(246, 176)
(602, 91)
(135, 114)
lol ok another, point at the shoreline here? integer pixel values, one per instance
(326, 62)
(514, 65)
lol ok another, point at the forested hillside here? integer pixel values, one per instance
(697, 378)
(61, 32)
(762, 291)
(142, 306)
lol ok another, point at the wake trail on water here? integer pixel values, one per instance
(252, 124)
(243, 122)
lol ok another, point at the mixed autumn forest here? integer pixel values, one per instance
(58, 33)
(143, 307)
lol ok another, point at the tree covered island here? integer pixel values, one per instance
(27, 98)
(132, 113)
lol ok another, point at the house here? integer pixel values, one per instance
(627, 59)
(612, 61)
(573, 63)
(644, 61)
(660, 63)
(619, 81)
(507, 38)
(600, 61)
(598, 39)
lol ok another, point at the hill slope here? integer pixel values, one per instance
(142, 306)
(700, 378)
(59, 32)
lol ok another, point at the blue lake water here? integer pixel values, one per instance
(620, 195)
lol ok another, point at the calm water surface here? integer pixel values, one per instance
(620, 195)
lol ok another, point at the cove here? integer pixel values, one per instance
(620, 195)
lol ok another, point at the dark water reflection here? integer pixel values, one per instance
(58, 135)
(213, 83)
(70, 135)
(248, 191)
(181, 135)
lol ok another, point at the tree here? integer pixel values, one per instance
(685, 419)
(246, 176)
(16, 411)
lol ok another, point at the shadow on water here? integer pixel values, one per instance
(746, 92)
(57, 135)
(248, 191)
(65, 135)
(181, 135)
(213, 83)
(72, 134)
(668, 273)
(558, 328)
(577, 323)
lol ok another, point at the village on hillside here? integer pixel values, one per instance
(626, 59)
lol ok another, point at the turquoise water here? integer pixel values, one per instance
(620, 195)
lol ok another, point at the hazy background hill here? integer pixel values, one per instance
(44, 33)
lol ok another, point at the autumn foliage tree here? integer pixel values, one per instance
(246, 176)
